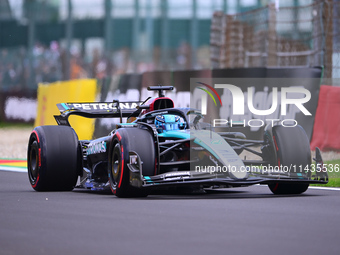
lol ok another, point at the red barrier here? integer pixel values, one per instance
(326, 133)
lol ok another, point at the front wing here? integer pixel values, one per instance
(186, 178)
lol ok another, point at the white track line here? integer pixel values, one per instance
(324, 188)
(13, 169)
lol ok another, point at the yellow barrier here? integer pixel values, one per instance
(77, 91)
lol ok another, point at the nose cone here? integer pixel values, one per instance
(229, 162)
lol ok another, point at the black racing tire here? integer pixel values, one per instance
(53, 160)
(292, 149)
(124, 141)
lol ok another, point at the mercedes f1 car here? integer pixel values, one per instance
(163, 147)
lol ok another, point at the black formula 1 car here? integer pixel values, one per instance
(163, 147)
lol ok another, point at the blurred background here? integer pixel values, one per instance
(54, 40)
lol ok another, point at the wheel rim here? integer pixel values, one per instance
(33, 167)
(116, 165)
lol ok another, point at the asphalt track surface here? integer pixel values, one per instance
(247, 220)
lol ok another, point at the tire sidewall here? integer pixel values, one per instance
(34, 162)
(291, 149)
(124, 141)
(58, 158)
(116, 169)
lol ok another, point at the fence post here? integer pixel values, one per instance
(272, 49)
(327, 20)
(194, 35)
(149, 27)
(69, 35)
(108, 26)
(228, 41)
(317, 35)
(135, 36)
(164, 34)
(31, 40)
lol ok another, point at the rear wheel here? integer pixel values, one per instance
(52, 158)
(293, 151)
(126, 140)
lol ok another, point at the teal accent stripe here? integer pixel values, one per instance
(174, 133)
(197, 141)
(147, 179)
(65, 106)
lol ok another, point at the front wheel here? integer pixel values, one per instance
(118, 174)
(128, 140)
(292, 149)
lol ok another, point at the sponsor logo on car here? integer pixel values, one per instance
(101, 106)
(96, 147)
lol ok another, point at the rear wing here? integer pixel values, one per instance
(113, 109)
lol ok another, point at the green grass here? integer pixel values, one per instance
(333, 174)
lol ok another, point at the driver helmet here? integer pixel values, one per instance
(167, 122)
